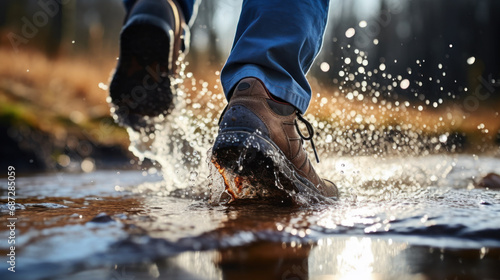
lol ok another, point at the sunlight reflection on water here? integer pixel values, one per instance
(365, 234)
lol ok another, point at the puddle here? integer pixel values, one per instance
(392, 223)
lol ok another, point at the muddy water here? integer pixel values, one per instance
(413, 218)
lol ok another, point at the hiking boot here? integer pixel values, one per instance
(259, 142)
(153, 37)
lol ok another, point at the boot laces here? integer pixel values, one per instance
(310, 132)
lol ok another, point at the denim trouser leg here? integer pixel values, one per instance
(276, 41)
(188, 7)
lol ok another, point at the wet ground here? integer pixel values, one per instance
(397, 218)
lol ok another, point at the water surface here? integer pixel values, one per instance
(413, 217)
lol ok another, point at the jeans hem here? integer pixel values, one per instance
(286, 89)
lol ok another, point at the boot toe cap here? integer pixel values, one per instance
(330, 189)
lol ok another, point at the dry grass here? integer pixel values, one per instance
(59, 81)
(59, 96)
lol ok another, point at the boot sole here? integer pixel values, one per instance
(252, 158)
(141, 85)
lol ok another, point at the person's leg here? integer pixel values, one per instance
(259, 142)
(154, 35)
(276, 41)
(188, 7)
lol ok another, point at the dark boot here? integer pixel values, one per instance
(151, 41)
(259, 141)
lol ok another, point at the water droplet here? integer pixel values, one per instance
(325, 67)
(87, 165)
(350, 32)
(103, 86)
(404, 84)
(63, 160)
(193, 175)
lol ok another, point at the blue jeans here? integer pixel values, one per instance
(276, 41)
(187, 6)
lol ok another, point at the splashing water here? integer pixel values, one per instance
(364, 132)
(178, 142)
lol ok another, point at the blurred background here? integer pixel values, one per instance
(435, 58)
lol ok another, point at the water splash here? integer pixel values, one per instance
(178, 142)
(360, 120)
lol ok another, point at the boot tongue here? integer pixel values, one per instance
(278, 106)
(281, 108)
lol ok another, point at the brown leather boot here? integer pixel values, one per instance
(152, 39)
(259, 142)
